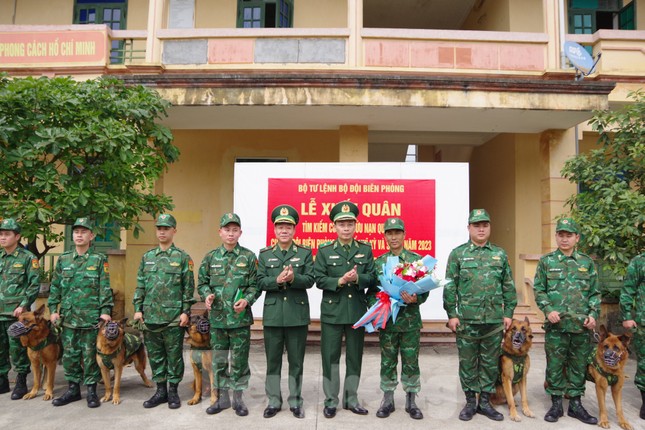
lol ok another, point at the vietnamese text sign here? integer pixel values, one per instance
(52, 47)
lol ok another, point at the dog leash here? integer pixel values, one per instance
(484, 336)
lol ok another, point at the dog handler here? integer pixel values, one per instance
(632, 307)
(81, 287)
(479, 299)
(19, 285)
(285, 272)
(402, 337)
(162, 300)
(566, 290)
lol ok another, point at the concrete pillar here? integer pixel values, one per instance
(352, 143)
(552, 24)
(355, 25)
(155, 22)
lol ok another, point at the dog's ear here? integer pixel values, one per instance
(526, 320)
(602, 331)
(39, 312)
(626, 338)
(101, 323)
(123, 322)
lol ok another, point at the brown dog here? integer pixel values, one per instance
(514, 365)
(43, 349)
(201, 356)
(607, 369)
(115, 349)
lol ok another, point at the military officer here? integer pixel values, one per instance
(566, 290)
(162, 300)
(632, 307)
(344, 269)
(19, 285)
(227, 282)
(285, 272)
(81, 288)
(479, 299)
(404, 336)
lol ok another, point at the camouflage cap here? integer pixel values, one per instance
(478, 215)
(284, 214)
(394, 224)
(229, 218)
(345, 210)
(166, 220)
(567, 224)
(83, 222)
(10, 224)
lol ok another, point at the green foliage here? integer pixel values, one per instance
(610, 206)
(70, 149)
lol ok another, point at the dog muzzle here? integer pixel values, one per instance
(518, 339)
(611, 357)
(18, 329)
(111, 330)
(203, 326)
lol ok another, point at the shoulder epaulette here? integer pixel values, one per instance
(268, 248)
(364, 243)
(308, 248)
(326, 244)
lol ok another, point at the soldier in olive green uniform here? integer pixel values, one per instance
(19, 284)
(81, 287)
(227, 282)
(344, 269)
(404, 335)
(479, 299)
(632, 307)
(285, 272)
(162, 299)
(566, 290)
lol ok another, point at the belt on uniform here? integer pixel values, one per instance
(484, 336)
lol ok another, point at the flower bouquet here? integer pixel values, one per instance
(417, 277)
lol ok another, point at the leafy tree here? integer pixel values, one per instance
(610, 205)
(70, 149)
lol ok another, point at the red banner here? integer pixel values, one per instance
(377, 199)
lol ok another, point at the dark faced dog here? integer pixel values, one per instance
(514, 365)
(201, 356)
(116, 349)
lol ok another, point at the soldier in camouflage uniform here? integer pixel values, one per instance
(285, 272)
(227, 282)
(404, 335)
(19, 284)
(566, 290)
(344, 269)
(81, 287)
(162, 299)
(632, 307)
(479, 299)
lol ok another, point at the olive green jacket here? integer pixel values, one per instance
(632, 296)
(19, 281)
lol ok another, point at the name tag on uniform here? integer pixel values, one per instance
(241, 264)
(555, 270)
(359, 255)
(295, 259)
(216, 265)
(333, 257)
(582, 269)
(272, 259)
(467, 259)
(17, 265)
(496, 257)
(91, 268)
(174, 264)
(150, 262)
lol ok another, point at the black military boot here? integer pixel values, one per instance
(556, 411)
(4, 384)
(238, 404)
(387, 405)
(485, 408)
(92, 398)
(643, 405)
(20, 389)
(411, 407)
(173, 398)
(223, 402)
(159, 397)
(469, 410)
(73, 394)
(576, 410)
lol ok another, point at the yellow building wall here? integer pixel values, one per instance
(30, 12)
(526, 16)
(493, 15)
(137, 18)
(306, 14)
(221, 15)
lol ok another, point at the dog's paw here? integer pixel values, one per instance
(515, 417)
(604, 424)
(48, 396)
(528, 413)
(148, 384)
(29, 396)
(116, 400)
(194, 401)
(625, 425)
(106, 398)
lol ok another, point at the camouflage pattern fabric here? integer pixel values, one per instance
(79, 356)
(131, 343)
(165, 352)
(566, 362)
(632, 307)
(235, 342)
(479, 359)
(19, 285)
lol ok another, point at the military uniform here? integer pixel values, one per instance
(19, 285)
(81, 288)
(286, 312)
(343, 305)
(165, 288)
(230, 276)
(632, 307)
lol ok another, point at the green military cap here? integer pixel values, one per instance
(10, 224)
(166, 220)
(394, 224)
(285, 214)
(478, 215)
(229, 218)
(83, 222)
(567, 224)
(344, 211)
